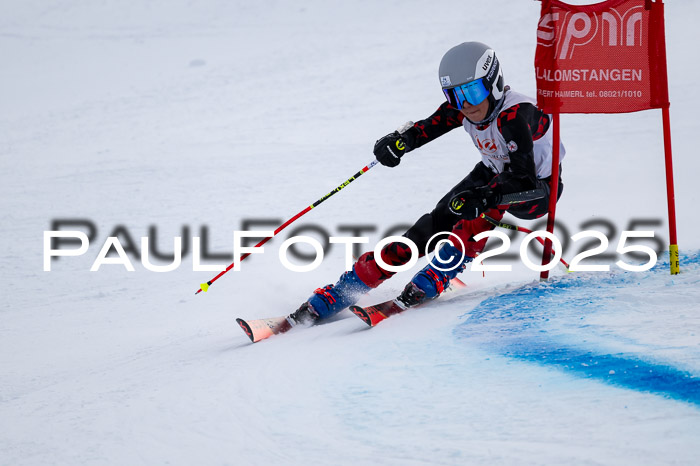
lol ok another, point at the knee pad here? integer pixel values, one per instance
(371, 273)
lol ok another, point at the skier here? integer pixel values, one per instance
(515, 143)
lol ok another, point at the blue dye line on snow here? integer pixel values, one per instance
(515, 325)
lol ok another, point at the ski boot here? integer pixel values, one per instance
(305, 315)
(329, 300)
(430, 282)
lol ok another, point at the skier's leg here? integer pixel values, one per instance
(467, 229)
(449, 260)
(367, 273)
(371, 273)
(537, 208)
(435, 277)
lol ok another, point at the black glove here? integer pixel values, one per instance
(470, 204)
(390, 149)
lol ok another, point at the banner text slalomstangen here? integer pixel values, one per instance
(604, 58)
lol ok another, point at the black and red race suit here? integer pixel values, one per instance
(516, 150)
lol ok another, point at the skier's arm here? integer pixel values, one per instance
(393, 146)
(522, 174)
(445, 119)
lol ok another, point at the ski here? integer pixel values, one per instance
(260, 329)
(372, 315)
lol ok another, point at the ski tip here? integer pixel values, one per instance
(362, 314)
(457, 283)
(246, 328)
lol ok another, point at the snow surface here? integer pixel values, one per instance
(178, 113)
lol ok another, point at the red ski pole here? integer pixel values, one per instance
(508, 226)
(205, 286)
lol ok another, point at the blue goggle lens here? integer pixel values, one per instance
(473, 92)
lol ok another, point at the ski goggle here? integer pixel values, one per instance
(473, 92)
